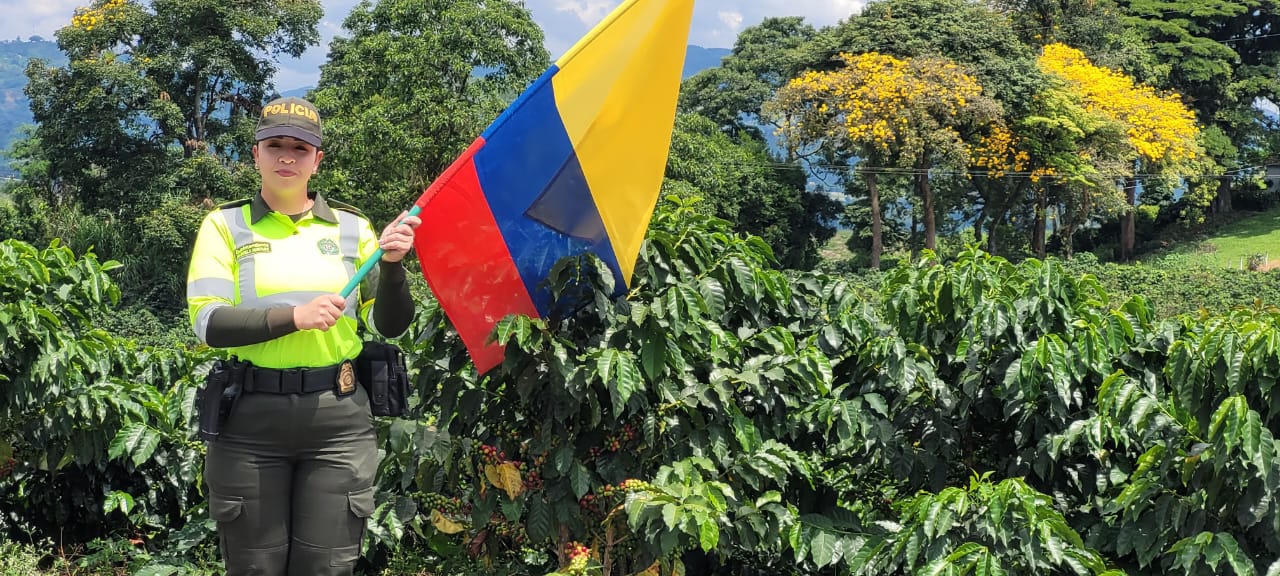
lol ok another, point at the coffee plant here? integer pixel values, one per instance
(95, 434)
(972, 416)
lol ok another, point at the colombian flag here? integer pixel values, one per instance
(574, 165)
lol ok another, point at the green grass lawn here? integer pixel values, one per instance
(1231, 245)
(836, 249)
(1228, 246)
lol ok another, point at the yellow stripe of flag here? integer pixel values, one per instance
(616, 91)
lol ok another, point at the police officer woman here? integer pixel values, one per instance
(291, 472)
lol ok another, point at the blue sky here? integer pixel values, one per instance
(715, 23)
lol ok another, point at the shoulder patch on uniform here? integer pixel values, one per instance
(235, 203)
(253, 249)
(343, 206)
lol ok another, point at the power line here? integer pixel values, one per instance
(838, 169)
(1231, 40)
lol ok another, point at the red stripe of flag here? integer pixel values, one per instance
(466, 261)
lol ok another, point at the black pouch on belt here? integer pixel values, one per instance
(214, 401)
(382, 372)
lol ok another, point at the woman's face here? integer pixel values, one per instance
(286, 164)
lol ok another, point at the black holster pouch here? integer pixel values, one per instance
(382, 372)
(214, 402)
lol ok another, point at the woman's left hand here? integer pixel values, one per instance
(397, 238)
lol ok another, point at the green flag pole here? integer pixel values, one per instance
(371, 262)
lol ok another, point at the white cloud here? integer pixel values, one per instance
(587, 11)
(818, 12)
(712, 29)
(25, 18)
(841, 9)
(732, 19)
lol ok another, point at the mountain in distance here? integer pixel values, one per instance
(697, 59)
(299, 92)
(15, 107)
(15, 53)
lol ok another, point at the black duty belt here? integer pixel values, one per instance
(339, 378)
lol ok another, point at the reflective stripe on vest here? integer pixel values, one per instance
(242, 235)
(349, 246)
(209, 288)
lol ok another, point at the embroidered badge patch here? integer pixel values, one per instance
(328, 246)
(253, 249)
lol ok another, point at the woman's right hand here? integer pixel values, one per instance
(319, 314)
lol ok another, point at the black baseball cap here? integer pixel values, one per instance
(292, 117)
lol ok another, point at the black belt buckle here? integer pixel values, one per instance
(345, 381)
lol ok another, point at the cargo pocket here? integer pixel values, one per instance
(240, 553)
(224, 509)
(360, 504)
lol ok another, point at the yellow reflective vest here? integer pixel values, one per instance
(249, 255)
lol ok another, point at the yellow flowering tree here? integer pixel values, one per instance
(1060, 156)
(997, 161)
(1161, 131)
(886, 111)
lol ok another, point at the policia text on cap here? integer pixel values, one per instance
(291, 463)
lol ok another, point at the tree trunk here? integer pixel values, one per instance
(1069, 229)
(877, 221)
(912, 233)
(197, 121)
(992, 245)
(1222, 203)
(982, 216)
(1128, 222)
(926, 195)
(1038, 225)
(978, 223)
(1073, 220)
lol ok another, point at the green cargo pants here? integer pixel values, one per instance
(291, 483)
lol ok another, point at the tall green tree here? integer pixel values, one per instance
(413, 84)
(764, 58)
(148, 122)
(742, 182)
(971, 34)
(1221, 56)
(878, 107)
(1181, 36)
(151, 86)
(1163, 134)
(1090, 25)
